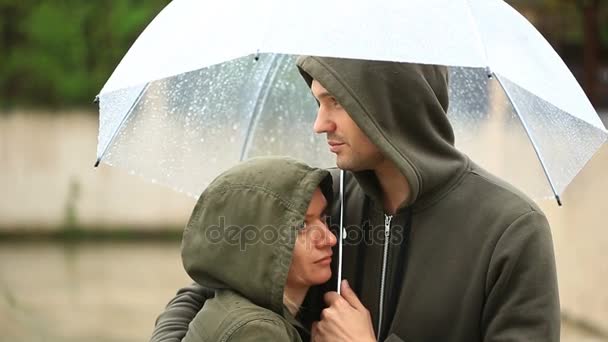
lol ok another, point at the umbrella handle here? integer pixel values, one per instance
(341, 234)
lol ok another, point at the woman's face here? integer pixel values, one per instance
(310, 264)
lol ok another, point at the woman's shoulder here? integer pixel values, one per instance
(261, 329)
(235, 306)
(231, 317)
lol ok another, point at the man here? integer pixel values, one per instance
(442, 250)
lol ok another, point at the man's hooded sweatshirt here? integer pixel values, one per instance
(239, 242)
(469, 257)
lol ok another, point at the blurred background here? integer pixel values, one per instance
(93, 254)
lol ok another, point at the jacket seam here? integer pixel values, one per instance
(239, 324)
(501, 186)
(450, 188)
(491, 261)
(236, 186)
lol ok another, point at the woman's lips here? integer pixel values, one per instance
(324, 261)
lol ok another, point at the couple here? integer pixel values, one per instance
(455, 254)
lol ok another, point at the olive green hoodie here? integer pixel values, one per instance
(468, 258)
(239, 242)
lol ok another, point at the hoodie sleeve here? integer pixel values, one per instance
(262, 331)
(172, 324)
(522, 300)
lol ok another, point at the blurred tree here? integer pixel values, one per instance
(61, 52)
(578, 30)
(558, 20)
(591, 46)
(603, 20)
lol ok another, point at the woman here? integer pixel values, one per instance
(258, 237)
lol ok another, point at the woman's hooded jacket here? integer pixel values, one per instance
(239, 241)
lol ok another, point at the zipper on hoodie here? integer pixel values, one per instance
(387, 234)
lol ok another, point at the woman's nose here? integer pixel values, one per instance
(328, 239)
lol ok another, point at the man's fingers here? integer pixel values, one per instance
(331, 298)
(350, 296)
(314, 331)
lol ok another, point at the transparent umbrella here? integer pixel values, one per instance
(210, 83)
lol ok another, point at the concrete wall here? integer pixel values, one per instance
(580, 235)
(47, 174)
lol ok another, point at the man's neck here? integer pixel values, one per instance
(395, 188)
(293, 298)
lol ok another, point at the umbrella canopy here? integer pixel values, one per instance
(210, 83)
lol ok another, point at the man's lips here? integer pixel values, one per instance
(334, 146)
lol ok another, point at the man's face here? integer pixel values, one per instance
(354, 151)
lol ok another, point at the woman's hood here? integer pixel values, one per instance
(242, 231)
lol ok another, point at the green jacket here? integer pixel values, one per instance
(239, 242)
(469, 258)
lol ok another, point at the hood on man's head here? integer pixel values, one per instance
(402, 108)
(242, 231)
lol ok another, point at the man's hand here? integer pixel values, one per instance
(345, 318)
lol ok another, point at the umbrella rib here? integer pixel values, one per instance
(477, 34)
(124, 119)
(264, 91)
(530, 137)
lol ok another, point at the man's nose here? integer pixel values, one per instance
(323, 124)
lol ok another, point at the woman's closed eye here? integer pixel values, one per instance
(314, 221)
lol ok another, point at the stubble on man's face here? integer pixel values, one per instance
(354, 150)
(359, 154)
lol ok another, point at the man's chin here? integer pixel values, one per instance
(344, 164)
(340, 163)
(351, 165)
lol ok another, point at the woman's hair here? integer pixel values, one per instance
(290, 304)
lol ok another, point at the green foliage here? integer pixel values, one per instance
(71, 213)
(603, 23)
(562, 20)
(60, 53)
